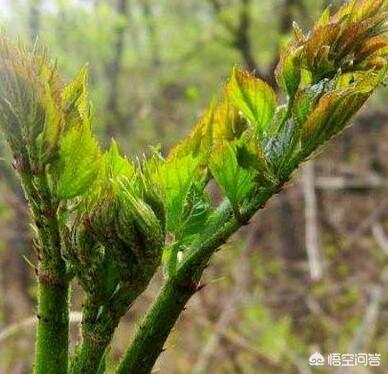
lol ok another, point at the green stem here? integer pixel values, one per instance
(90, 356)
(154, 330)
(53, 327)
(95, 340)
(161, 318)
(51, 349)
(98, 327)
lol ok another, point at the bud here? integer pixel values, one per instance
(348, 41)
(30, 105)
(128, 229)
(136, 211)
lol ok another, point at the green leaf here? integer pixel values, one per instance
(117, 166)
(250, 155)
(335, 108)
(235, 181)
(305, 100)
(228, 124)
(281, 147)
(176, 176)
(253, 97)
(109, 275)
(324, 18)
(53, 115)
(75, 99)
(80, 160)
(288, 72)
(197, 210)
(366, 8)
(221, 122)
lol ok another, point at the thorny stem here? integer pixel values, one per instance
(51, 350)
(98, 326)
(153, 331)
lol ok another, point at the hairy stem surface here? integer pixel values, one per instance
(52, 341)
(97, 332)
(153, 331)
(53, 327)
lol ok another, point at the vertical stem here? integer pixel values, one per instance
(90, 357)
(51, 355)
(98, 326)
(51, 349)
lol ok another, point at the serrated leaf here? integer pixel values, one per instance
(197, 210)
(227, 122)
(116, 165)
(317, 47)
(358, 32)
(371, 46)
(344, 11)
(235, 181)
(305, 100)
(53, 123)
(75, 99)
(288, 72)
(79, 163)
(335, 108)
(133, 208)
(250, 155)
(280, 148)
(221, 122)
(176, 177)
(253, 97)
(366, 8)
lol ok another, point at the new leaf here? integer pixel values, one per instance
(254, 98)
(235, 181)
(79, 162)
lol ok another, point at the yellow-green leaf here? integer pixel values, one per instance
(288, 72)
(335, 108)
(253, 97)
(79, 163)
(116, 165)
(75, 100)
(176, 176)
(235, 181)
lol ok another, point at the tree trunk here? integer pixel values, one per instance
(114, 70)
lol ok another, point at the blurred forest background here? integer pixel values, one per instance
(309, 274)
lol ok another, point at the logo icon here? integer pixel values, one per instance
(316, 359)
